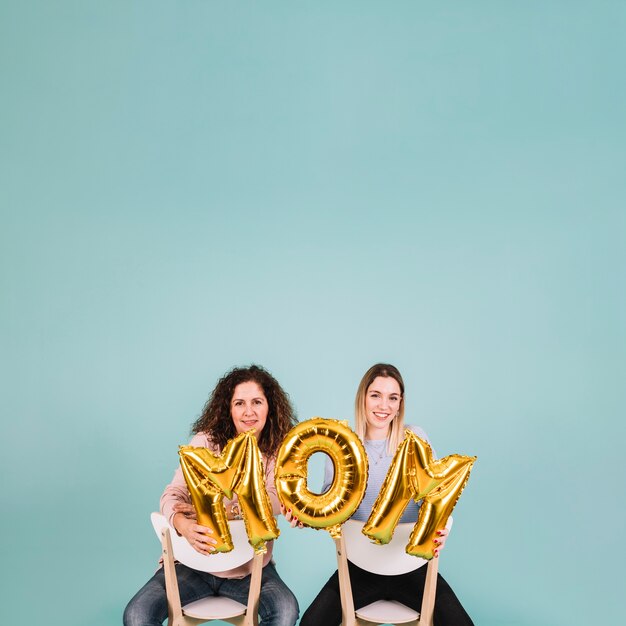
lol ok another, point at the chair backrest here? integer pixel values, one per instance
(220, 562)
(388, 559)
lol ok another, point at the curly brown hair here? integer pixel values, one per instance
(216, 417)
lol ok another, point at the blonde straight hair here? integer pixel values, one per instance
(396, 430)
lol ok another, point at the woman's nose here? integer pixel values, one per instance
(248, 410)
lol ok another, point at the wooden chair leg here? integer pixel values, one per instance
(430, 589)
(345, 587)
(252, 610)
(174, 609)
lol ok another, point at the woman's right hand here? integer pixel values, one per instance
(440, 542)
(198, 536)
(290, 517)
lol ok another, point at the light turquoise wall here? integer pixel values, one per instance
(314, 186)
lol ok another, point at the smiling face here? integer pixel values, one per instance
(249, 408)
(382, 403)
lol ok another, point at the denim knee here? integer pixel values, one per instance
(134, 615)
(149, 605)
(282, 613)
(131, 615)
(289, 611)
(277, 604)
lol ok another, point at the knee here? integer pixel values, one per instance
(292, 612)
(143, 610)
(306, 619)
(280, 611)
(315, 617)
(133, 615)
(288, 611)
(325, 609)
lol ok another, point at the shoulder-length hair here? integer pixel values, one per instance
(396, 429)
(216, 418)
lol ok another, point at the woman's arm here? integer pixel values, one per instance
(329, 474)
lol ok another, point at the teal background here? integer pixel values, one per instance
(314, 186)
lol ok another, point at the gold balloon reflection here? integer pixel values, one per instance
(239, 470)
(330, 509)
(414, 473)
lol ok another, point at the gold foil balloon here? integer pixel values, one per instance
(330, 509)
(239, 469)
(414, 473)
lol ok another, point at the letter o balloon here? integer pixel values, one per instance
(334, 438)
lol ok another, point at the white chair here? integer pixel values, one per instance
(389, 559)
(176, 548)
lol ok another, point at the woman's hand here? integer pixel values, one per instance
(188, 510)
(440, 542)
(290, 517)
(198, 536)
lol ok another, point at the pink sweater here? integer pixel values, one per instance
(177, 491)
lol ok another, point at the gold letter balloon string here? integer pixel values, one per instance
(330, 509)
(238, 469)
(415, 474)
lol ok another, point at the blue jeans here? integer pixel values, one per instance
(277, 604)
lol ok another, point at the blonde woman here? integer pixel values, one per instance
(379, 416)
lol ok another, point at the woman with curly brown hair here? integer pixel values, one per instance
(245, 398)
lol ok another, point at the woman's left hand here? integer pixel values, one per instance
(440, 542)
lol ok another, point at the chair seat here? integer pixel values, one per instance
(387, 611)
(214, 607)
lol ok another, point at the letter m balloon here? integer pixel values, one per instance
(238, 469)
(415, 474)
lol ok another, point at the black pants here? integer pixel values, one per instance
(367, 588)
